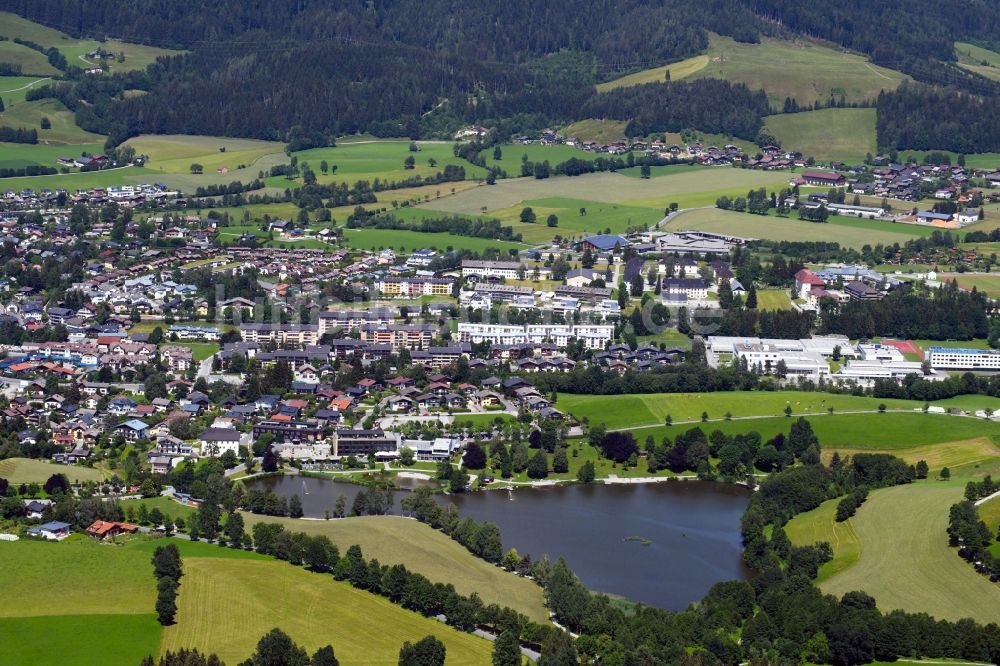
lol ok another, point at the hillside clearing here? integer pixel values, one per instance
(828, 134)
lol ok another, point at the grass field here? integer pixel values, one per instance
(428, 552)
(201, 350)
(382, 159)
(137, 56)
(599, 130)
(224, 608)
(599, 216)
(77, 180)
(17, 155)
(849, 232)
(979, 60)
(988, 283)
(31, 61)
(807, 71)
(820, 525)
(92, 640)
(687, 188)
(415, 240)
(905, 561)
(850, 433)
(774, 299)
(513, 154)
(622, 411)
(64, 129)
(14, 88)
(29, 470)
(989, 512)
(167, 506)
(975, 160)
(828, 134)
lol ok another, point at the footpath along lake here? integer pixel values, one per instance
(664, 544)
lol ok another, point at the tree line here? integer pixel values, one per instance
(460, 226)
(919, 117)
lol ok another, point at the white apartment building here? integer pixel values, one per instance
(594, 336)
(963, 359)
(504, 269)
(765, 359)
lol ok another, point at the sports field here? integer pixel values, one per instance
(849, 232)
(807, 71)
(428, 552)
(828, 134)
(30, 470)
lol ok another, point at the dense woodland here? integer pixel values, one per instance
(306, 71)
(919, 117)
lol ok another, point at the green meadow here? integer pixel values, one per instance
(415, 240)
(827, 134)
(14, 88)
(623, 411)
(30, 470)
(805, 70)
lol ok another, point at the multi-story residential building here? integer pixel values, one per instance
(503, 269)
(594, 336)
(411, 336)
(348, 319)
(298, 335)
(400, 287)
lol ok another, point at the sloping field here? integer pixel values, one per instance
(14, 88)
(92, 640)
(820, 525)
(30, 60)
(63, 131)
(804, 70)
(137, 56)
(382, 159)
(828, 134)
(979, 60)
(905, 560)
(226, 605)
(397, 540)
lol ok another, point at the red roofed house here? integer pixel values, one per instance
(103, 529)
(805, 280)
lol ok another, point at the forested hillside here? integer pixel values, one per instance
(307, 70)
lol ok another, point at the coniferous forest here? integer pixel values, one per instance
(305, 71)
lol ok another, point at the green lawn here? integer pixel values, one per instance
(905, 561)
(91, 640)
(989, 513)
(597, 218)
(167, 506)
(849, 232)
(774, 299)
(415, 240)
(828, 134)
(14, 88)
(428, 552)
(805, 70)
(599, 130)
(485, 418)
(29, 470)
(622, 411)
(201, 350)
(225, 605)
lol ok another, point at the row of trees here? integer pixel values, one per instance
(167, 569)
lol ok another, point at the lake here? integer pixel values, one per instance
(664, 544)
